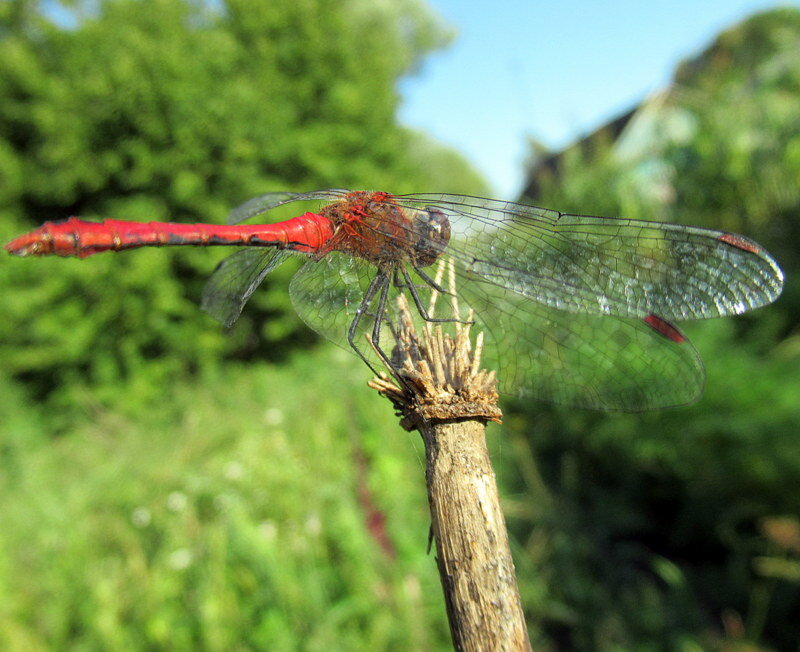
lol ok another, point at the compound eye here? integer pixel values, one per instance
(438, 222)
(439, 226)
(433, 234)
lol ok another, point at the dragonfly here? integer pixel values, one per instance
(575, 309)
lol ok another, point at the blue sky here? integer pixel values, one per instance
(551, 70)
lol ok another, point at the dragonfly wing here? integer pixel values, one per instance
(328, 293)
(270, 200)
(583, 360)
(606, 266)
(236, 278)
(538, 351)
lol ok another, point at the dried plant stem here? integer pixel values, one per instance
(474, 559)
(440, 390)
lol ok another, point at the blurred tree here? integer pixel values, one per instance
(178, 110)
(738, 165)
(651, 525)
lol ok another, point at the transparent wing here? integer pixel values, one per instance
(583, 360)
(327, 295)
(606, 266)
(539, 352)
(236, 278)
(270, 200)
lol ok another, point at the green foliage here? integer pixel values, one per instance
(155, 493)
(649, 526)
(177, 111)
(246, 527)
(740, 164)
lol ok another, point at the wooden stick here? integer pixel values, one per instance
(439, 390)
(474, 559)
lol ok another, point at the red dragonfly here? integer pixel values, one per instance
(575, 309)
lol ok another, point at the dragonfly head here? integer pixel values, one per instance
(431, 235)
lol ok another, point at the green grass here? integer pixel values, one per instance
(224, 516)
(230, 513)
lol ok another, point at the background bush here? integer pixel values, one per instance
(164, 484)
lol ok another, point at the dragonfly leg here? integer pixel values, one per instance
(380, 282)
(412, 289)
(376, 334)
(376, 327)
(425, 277)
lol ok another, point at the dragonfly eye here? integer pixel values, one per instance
(432, 233)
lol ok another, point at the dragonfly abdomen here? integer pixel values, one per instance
(74, 237)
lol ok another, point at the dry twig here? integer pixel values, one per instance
(440, 389)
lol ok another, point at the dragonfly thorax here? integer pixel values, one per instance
(372, 227)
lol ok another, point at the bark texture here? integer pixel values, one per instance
(473, 555)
